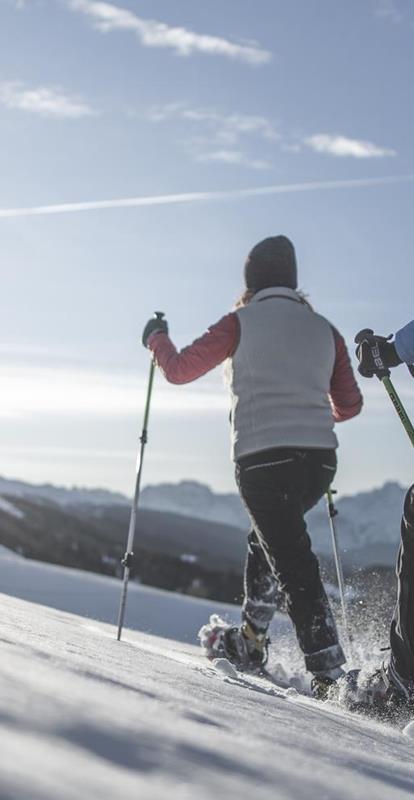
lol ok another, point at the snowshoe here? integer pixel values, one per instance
(382, 694)
(242, 646)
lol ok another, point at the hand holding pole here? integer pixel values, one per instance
(367, 336)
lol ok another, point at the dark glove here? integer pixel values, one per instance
(385, 350)
(154, 325)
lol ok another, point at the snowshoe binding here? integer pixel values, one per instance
(242, 646)
(324, 686)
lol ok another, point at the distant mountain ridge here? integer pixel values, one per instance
(60, 494)
(195, 499)
(368, 522)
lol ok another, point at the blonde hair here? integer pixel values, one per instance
(247, 295)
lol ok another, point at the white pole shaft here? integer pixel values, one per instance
(127, 560)
(338, 565)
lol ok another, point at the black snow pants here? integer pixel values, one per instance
(402, 626)
(278, 487)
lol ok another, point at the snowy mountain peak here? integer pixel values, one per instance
(195, 500)
(61, 495)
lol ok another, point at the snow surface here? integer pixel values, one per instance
(84, 716)
(97, 596)
(10, 509)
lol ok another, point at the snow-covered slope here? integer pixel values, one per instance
(97, 596)
(83, 716)
(10, 509)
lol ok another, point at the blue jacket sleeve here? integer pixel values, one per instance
(404, 343)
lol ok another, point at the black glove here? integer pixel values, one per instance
(385, 351)
(154, 325)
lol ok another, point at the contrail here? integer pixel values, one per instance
(197, 197)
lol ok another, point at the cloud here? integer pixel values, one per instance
(107, 17)
(226, 127)
(234, 157)
(387, 10)
(213, 136)
(197, 197)
(342, 146)
(45, 101)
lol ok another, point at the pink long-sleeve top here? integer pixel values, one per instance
(220, 342)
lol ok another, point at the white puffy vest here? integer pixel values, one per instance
(280, 375)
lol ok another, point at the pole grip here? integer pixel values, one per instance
(367, 336)
(364, 335)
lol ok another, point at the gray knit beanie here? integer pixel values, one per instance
(272, 262)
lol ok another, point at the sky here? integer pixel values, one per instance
(145, 147)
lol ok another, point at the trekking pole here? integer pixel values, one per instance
(129, 555)
(367, 336)
(332, 513)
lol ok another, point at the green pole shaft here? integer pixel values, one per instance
(399, 407)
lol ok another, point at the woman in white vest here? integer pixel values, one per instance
(290, 379)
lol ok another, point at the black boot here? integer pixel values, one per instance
(245, 648)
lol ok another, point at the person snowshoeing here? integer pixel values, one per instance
(390, 690)
(290, 379)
